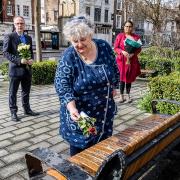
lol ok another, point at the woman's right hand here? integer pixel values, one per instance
(126, 54)
(74, 114)
(73, 111)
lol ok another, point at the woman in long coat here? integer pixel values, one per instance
(85, 80)
(128, 72)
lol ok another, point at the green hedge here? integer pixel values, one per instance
(42, 72)
(163, 60)
(4, 68)
(165, 87)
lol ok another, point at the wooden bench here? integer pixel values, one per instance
(148, 73)
(126, 155)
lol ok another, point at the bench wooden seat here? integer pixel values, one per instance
(125, 155)
(148, 73)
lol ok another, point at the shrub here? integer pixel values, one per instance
(165, 87)
(163, 60)
(4, 68)
(43, 72)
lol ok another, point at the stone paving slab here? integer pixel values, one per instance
(43, 130)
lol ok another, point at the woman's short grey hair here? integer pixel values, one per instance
(78, 27)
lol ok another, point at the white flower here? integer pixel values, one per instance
(83, 114)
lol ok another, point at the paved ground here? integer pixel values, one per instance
(42, 131)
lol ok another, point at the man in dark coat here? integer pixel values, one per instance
(19, 69)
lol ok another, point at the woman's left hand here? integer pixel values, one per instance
(114, 92)
(131, 55)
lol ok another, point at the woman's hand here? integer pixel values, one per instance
(131, 55)
(114, 92)
(73, 111)
(126, 54)
(74, 114)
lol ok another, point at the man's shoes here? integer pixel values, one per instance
(31, 113)
(14, 117)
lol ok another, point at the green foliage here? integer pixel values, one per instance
(4, 68)
(163, 60)
(164, 87)
(86, 124)
(43, 72)
(145, 103)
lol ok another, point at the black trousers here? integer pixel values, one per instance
(25, 91)
(122, 86)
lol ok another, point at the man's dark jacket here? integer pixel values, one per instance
(10, 45)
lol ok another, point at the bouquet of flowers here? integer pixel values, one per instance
(86, 124)
(131, 45)
(24, 51)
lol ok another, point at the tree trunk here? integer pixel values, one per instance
(37, 7)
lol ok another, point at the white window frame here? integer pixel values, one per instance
(89, 11)
(97, 18)
(131, 7)
(9, 10)
(119, 7)
(118, 23)
(26, 11)
(18, 10)
(106, 10)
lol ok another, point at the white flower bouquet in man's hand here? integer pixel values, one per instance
(86, 124)
(24, 52)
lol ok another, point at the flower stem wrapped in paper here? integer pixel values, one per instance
(131, 45)
(24, 52)
(86, 124)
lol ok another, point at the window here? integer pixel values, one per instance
(88, 11)
(118, 21)
(106, 1)
(130, 7)
(26, 11)
(9, 10)
(18, 10)
(97, 14)
(47, 17)
(119, 4)
(101, 30)
(55, 15)
(106, 12)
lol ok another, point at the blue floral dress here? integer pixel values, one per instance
(91, 86)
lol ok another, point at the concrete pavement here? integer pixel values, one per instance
(42, 131)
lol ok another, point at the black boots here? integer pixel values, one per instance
(14, 117)
(30, 113)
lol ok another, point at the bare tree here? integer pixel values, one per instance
(158, 12)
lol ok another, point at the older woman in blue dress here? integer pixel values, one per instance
(86, 78)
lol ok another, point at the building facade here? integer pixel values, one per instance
(11, 8)
(99, 12)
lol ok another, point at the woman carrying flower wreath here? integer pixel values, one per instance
(128, 64)
(85, 81)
